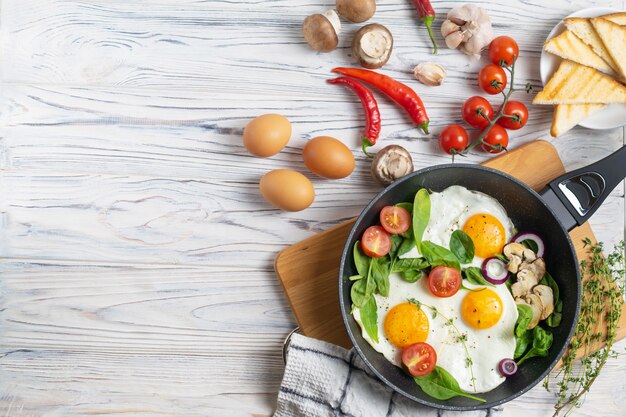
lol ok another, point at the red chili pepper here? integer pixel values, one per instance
(398, 92)
(372, 114)
(427, 15)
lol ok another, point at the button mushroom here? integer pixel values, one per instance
(356, 10)
(372, 45)
(321, 31)
(534, 301)
(547, 299)
(390, 163)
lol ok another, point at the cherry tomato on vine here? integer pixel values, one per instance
(453, 137)
(420, 359)
(376, 242)
(496, 136)
(516, 109)
(395, 220)
(489, 76)
(471, 110)
(444, 281)
(503, 48)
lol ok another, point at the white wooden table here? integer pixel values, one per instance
(136, 274)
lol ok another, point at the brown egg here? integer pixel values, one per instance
(286, 189)
(266, 135)
(328, 157)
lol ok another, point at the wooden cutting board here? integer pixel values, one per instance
(308, 270)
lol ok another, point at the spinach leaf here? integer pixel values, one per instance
(412, 275)
(530, 244)
(502, 257)
(421, 214)
(524, 316)
(440, 384)
(361, 261)
(462, 246)
(406, 246)
(358, 293)
(380, 274)
(408, 207)
(542, 340)
(474, 275)
(521, 343)
(396, 241)
(406, 264)
(438, 255)
(553, 319)
(369, 318)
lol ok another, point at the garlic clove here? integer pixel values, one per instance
(454, 39)
(448, 27)
(430, 73)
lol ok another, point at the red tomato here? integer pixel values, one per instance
(376, 242)
(503, 49)
(488, 76)
(420, 359)
(444, 281)
(496, 136)
(453, 137)
(517, 109)
(471, 108)
(395, 220)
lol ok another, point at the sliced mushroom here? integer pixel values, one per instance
(547, 299)
(538, 267)
(517, 253)
(536, 306)
(390, 163)
(321, 31)
(526, 280)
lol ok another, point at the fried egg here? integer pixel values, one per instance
(483, 318)
(471, 331)
(480, 216)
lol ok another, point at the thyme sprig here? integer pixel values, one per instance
(600, 311)
(461, 337)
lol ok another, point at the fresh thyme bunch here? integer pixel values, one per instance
(600, 311)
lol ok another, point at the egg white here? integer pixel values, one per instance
(450, 209)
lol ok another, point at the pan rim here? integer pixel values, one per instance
(356, 345)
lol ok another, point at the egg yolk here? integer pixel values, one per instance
(405, 325)
(487, 233)
(481, 309)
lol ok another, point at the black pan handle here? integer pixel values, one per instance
(575, 196)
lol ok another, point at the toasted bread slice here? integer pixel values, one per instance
(614, 39)
(566, 116)
(619, 18)
(573, 83)
(583, 28)
(569, 46)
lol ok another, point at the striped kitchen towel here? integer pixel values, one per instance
(324, 380)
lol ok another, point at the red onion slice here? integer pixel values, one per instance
(494, 271)
(522, 236)
(507, 367)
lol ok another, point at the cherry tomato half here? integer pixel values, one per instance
(420, 359)
(503, 49)
(489, 76)
(471, 110)
(516, 109)
(395, 220)
(376, 242)
(444, 281)
(453, 137)
(496, 136)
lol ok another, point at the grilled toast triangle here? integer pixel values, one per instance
(566, 116)
(614, 39)
(569, 46)
(583, 28)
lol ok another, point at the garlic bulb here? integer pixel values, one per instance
(430, 73)
(468, 28)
